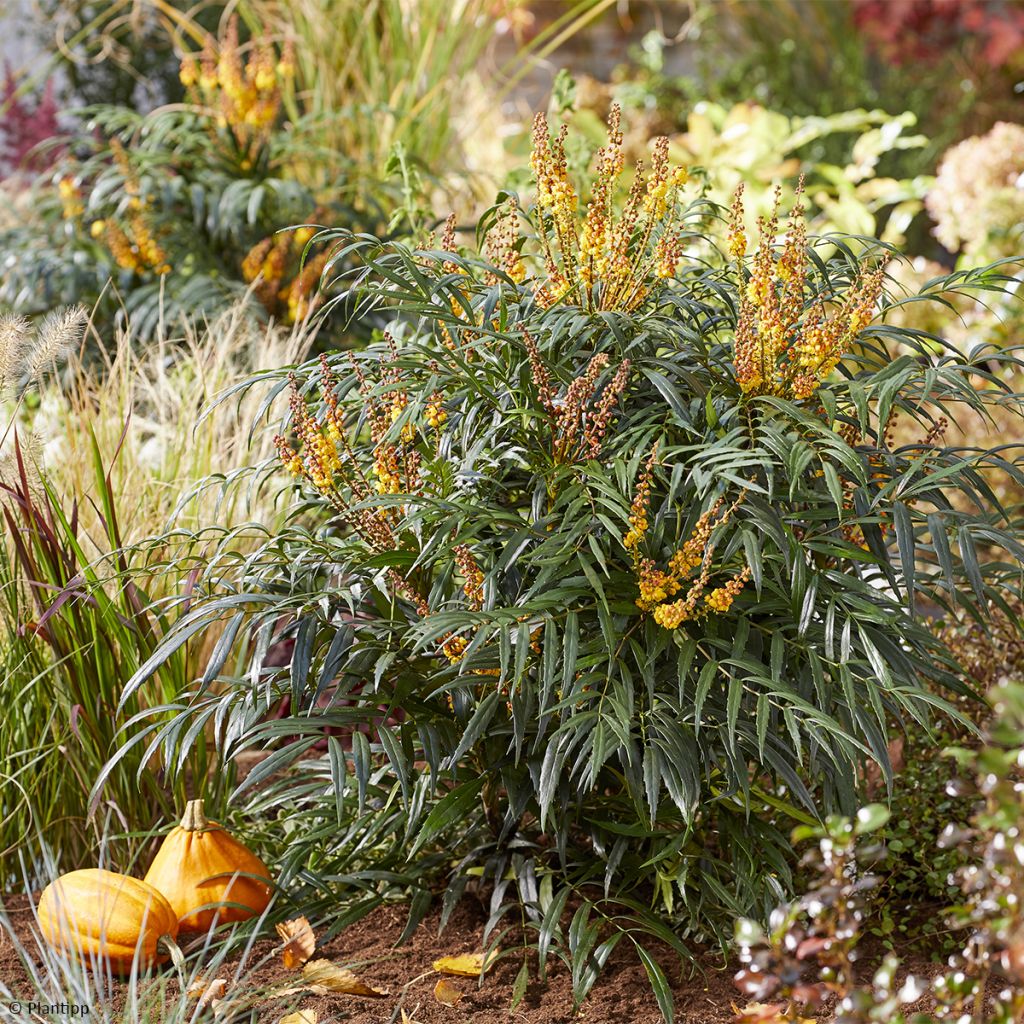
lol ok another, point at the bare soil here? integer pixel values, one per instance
(704, 992)
(622, 994)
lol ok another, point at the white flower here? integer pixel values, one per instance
(977, 201)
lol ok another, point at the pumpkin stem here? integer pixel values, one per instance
(177, 957)
(194, 819)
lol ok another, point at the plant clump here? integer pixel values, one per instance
(600, 578)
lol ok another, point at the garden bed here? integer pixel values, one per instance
(621, 994)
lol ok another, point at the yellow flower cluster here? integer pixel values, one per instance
(610, 261)
(657, 586)
(150, 251)
(284, 285)
(399, 403)
(328, 462)
(133, 243)
(70, 198)
(453, 647)
(472, 576)
(387, 470)
(719, 601)
(502, 244)
(580, 420)
(138, 251)
(503, 252)
(641, 502)
(721, 598)
(301, 297)
(435, 414)
(782, 346)
(244, 89)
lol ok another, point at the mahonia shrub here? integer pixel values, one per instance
(605, 568)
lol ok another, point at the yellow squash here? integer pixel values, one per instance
(199, 865)
(103, 916)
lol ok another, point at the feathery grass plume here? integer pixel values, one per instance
(58, 336)
(14, 341)
(28, 447)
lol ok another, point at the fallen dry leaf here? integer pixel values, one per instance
(322, 974)
(766, 1013)
(300, 1016)
(466, 965)
(445, 992)
(222, 1008)
(207, 992)
(299, 942)
(297, 990)
(406, 1019)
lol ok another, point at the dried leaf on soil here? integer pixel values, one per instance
(466, 965)
(445, 992)
(406, 1019)
(207, 992)
(326, 975)
(765, 1013)
(300, 1016)
(299, 942)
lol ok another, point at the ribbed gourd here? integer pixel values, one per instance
(102, 917)
(204, 873)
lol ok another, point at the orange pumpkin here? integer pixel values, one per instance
(200, 865)
(100, 915)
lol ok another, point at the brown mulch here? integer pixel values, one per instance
(622, 994)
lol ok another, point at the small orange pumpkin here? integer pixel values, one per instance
(101, 915)
(200, 865)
